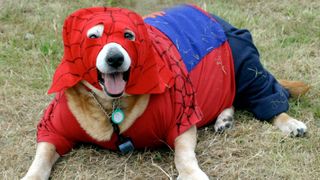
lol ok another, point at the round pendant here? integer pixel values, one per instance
(117, 116)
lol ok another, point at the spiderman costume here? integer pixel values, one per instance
(181, 56)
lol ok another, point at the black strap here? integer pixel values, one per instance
(116, 129)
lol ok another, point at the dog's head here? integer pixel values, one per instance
(110, 48)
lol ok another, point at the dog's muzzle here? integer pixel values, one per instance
(113, 64)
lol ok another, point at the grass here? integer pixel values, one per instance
(287, 33)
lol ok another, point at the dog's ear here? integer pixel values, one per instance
(64, 77)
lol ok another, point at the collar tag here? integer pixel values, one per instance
(117, 116)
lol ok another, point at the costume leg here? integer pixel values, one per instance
(257, 90)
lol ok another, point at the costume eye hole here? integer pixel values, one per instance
(129, 35)
(95, 32)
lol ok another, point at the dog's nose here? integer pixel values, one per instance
(114, 58)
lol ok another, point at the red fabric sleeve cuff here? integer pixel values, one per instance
(61, 144)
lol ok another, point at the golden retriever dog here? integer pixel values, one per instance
(127, 82)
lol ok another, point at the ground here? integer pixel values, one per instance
(286, 32)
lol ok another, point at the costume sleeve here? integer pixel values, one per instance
(47, 131)
(187, 112)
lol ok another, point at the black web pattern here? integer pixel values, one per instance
(45, 123)
(182, 91)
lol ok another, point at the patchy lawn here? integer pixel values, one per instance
(286, 32)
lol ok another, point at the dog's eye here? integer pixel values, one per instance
(95, 31)
(129, 35)
(93, 36)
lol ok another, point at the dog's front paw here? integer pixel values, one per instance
(290, 126)
(224, 121)
(198, 175)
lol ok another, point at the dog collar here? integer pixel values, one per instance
(124, 144)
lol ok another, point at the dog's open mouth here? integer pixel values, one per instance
(114, 83)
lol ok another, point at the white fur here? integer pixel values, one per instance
(221, 123)
(102, 65)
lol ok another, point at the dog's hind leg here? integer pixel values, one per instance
(185, 157)
(283, 121)
(40, 168)
(225, 120)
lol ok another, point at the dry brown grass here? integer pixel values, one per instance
(286, 32)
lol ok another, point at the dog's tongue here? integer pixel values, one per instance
(114, 83)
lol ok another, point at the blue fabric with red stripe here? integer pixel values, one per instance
(193, 32)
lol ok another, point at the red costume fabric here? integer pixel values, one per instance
(179, 99)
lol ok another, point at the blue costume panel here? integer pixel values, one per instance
(193, 40)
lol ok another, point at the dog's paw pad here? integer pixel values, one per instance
(223, 123)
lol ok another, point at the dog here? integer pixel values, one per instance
(126, 83)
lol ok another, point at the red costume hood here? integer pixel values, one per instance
(148, 73)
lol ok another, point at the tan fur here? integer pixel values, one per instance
(93, 120)
(282, 118)
(296, 88)
(185, 156)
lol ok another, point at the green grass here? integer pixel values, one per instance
(287, 33)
